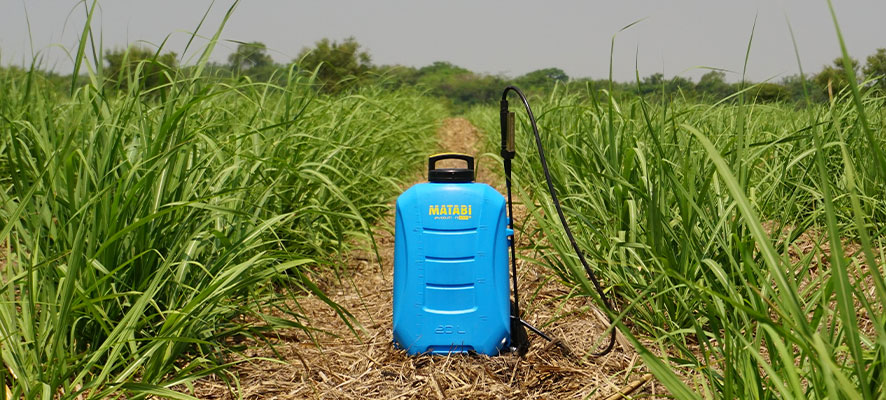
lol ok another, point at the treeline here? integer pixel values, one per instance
(342, 66)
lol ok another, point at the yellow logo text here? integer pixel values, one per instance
(449, 211)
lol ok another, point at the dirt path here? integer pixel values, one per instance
(345, 367)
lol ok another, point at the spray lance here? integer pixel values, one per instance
(519, 338)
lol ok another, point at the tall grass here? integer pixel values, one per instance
(744, 241)
(141, 225)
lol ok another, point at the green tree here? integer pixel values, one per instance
(768, 92)
(833, 78)
(397, 76)
(713, 85)
(681, 84)
(439, 73)
(794, 89)
(542, 79)
(468, 90)
(138, 65)
(341, 65)
(875, 68)
(651, 83)
(252, 55)
(459, 85)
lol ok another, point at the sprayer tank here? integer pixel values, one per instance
(451, 291)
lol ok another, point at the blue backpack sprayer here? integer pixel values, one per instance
(451, 290)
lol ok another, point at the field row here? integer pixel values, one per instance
(745, 240)
(143, 228)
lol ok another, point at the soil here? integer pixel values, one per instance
(340, 365)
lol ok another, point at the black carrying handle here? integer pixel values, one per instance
(432, 160)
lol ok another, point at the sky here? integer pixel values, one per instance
(510, 38)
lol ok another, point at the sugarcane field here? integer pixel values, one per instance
(451, 200)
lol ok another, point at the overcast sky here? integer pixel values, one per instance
(496, 37)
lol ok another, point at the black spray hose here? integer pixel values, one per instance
(508, 152)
